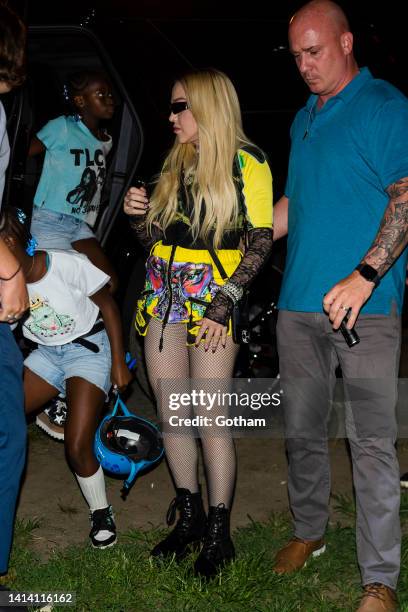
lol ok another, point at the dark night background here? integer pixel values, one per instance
(150, 41)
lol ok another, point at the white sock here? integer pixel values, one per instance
(93, 489)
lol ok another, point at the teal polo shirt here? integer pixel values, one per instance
(343, 157)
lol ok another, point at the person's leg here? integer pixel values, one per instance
(13, 434)
(370, 372)
(181, 449)
(37, 391)
(219, 458)
(172, 363)
(85, 403)
(43, 381)
(93, 250)
(307, 363)
(217, 443)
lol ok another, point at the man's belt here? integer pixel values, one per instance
(91, 346)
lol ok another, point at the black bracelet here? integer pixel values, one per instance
(369, 273)
(137, 220)
(12, 276)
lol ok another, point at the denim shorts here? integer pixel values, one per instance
(54, 230)
(55, 364)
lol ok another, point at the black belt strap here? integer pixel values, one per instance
(91, 346)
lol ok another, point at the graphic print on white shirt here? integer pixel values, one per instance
(45, 321)
(60, 306)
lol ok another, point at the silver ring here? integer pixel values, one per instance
(11, 316)
(346, 308)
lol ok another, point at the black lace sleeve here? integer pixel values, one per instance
(257, 253)
(138, 225)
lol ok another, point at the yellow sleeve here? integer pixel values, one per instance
(257, 189)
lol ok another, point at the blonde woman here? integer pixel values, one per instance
(213, 179)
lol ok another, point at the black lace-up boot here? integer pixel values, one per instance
(189, 529)
(218, 548)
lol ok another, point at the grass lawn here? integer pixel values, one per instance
(125, 579)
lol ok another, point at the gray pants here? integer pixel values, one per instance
(309, 352)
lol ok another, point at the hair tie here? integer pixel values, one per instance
(21, 216)
(32, 244)
(65, 92)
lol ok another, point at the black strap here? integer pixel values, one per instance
(218, 264)
(242, 205)
(91, 346)
(168, 309)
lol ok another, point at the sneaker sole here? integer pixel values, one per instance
(286, 568)
(404, 485)
(104, 545)
(317, 553)
(49, 431)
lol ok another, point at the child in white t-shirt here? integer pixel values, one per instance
(80, 354)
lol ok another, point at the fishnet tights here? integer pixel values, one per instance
(176, 360)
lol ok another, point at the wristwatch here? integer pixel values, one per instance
(369, 273)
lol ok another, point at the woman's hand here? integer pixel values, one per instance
(136, 201)
(13, 298)
(120, 375)
(215, 333)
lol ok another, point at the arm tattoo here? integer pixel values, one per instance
(392, 237)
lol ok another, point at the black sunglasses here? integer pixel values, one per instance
(178, 107)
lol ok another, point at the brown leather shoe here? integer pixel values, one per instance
(296, 553)
(378, 598)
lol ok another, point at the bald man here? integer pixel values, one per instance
(345, 210)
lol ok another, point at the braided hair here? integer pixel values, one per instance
(77, 82)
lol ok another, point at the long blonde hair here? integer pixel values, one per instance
(214, 104)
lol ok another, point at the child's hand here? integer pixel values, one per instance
(120, 375)
(136, 201)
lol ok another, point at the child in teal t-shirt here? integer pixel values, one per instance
(68, 196)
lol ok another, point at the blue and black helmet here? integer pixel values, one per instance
(126, 444)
